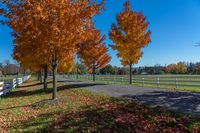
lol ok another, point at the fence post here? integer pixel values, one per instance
(1, 88)
(14, 83)
(176, 80)
(143, 82)
(158, 82)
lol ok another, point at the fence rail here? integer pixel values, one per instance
(155, 81)
(6, 87)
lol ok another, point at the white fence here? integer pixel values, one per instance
(6, 87)
(1, 88)
(172, 81)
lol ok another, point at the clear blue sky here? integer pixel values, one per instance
(175, 26)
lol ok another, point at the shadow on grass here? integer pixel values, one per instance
(34, 105)
(31, 85)
(1, 109)
(22, 93)
(126, 118)
(27, 92)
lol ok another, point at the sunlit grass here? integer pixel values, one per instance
(8, 78)
(166, 81)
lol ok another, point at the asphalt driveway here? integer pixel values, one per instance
(181, 101)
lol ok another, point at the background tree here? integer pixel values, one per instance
(93, 51)
(171, 68)
(67, 64)
(107, 70)
(130, 35)
(198, 69)
(6, 69)
(181, 68)
(191, 68)
(1, 65)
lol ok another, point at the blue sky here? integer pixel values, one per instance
(175, 26)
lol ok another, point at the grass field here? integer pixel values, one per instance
(28, 109)
(179, 82)
(7, 78)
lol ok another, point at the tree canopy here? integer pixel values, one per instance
(130, 35)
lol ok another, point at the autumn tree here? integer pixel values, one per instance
(170, 68)
(181, 68)
(197, 69)
(130, 35)
(54, 27)
(67, 64)
(93, 51)
(31, 59)
(29, 48)
(66, 21)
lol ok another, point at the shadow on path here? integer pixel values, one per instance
(186, 102)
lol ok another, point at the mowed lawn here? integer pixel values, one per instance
(28, 109)
(7, 78)
(178, 82)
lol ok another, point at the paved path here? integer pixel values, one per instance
(181, 101)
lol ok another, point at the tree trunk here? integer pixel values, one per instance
(77, 66)
(24, 73)
(93, 73)
(45, 78)
(54, 69)
(40, 74)
(130, 74)
(77, 72)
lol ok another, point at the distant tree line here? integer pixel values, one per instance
(7, 68)
(179, 68)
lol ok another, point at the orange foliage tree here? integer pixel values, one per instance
(32, 59)
(55, 27)
(179, 68)
(130, 35)
(170, 68)
(29, 47)
(67, 64)
(93, 51)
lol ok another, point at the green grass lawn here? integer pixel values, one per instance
(166, 81)
(28, 109)
(7, 78)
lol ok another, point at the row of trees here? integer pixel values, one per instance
(49, 34)
(183, 68)
(179, 68)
